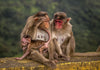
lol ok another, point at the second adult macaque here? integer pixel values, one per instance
(63, 37)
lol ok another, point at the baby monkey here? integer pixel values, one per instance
(28, 44)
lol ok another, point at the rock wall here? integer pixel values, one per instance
(76, 63)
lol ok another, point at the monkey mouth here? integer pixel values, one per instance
(58, 24)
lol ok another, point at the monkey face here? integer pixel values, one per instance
(45, 23)
(42, 16)
(25, 40)
(58, 24)
(59, 19)
(28, 40)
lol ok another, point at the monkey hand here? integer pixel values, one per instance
(24, 48)
(46, 45)
(18, 58)
(43, 47)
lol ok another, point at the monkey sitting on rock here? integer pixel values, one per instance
(36, 36)
(63, 37)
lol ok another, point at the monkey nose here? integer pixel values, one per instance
(58, 17)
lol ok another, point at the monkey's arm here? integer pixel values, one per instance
(49, 35)
(42, 48)
(47, 30)
(31, 23)
(25, 54)
(69, 45)
(57, 47)
(25, 29)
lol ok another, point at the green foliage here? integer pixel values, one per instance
(85, 21)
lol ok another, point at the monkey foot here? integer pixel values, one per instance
(55, 61)
(68, 58)
(51, 64)
(62, 57)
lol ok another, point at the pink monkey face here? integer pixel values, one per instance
(58, 24)
(25, 41)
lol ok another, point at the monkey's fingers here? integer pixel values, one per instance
(53, 64)
(46, 45)
(68, 58)
(63, 57)
(18, 58)
(24, 48)
(45, 50)
(37, 23)
(55, 61)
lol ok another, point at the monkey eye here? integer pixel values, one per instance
(59, 21)
(55, 16)
(62, 17)
(41, 15)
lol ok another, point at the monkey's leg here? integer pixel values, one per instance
(51, 50)
(58, 49)
(68, 50)
(36, 56)
(63, 48)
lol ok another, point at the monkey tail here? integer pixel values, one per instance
(98, 49)
(87, 54)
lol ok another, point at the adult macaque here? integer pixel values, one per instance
(60, 31)
(63, 36)
(37, 27)
(34, 22)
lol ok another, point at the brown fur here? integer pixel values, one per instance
(67, 47)
(38, 21)
(34, 22)
(98, 49)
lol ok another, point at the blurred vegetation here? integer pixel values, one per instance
(85, 20)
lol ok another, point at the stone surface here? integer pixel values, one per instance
(76, 63)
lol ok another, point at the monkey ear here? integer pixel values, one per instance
(68, 19)
(36, 18)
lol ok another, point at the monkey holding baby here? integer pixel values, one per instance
(35, 38)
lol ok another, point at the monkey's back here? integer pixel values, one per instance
(36, 44)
